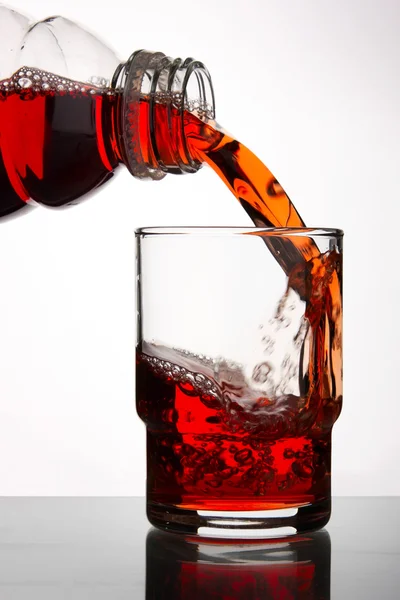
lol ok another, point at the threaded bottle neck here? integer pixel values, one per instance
(157, 92)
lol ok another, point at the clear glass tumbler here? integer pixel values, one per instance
(239, 377)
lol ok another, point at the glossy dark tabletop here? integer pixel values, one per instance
(84, 548)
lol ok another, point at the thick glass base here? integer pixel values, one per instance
(261, 524)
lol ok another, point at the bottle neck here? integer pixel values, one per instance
(157, 94)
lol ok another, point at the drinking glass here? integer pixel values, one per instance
(239, 377)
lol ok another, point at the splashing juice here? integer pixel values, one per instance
(59, 139)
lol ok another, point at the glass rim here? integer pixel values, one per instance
(236, 230)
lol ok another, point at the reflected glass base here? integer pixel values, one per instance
(180, 567)
(240, 524)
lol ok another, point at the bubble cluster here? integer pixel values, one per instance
(242, 465)
(269, 344)
(179, 101)
(301, 334)
(31, 80)
(261, 372)
(201, 358)
(221, 385)
(282, 340)
(221, 465)
(100, 82)
(190, 382)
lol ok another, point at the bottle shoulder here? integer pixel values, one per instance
(56, 45)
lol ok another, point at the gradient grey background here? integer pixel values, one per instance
(310, 86)
(84, 548)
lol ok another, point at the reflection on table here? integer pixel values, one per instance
(286, 569)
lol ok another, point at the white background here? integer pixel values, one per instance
(310, 86)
